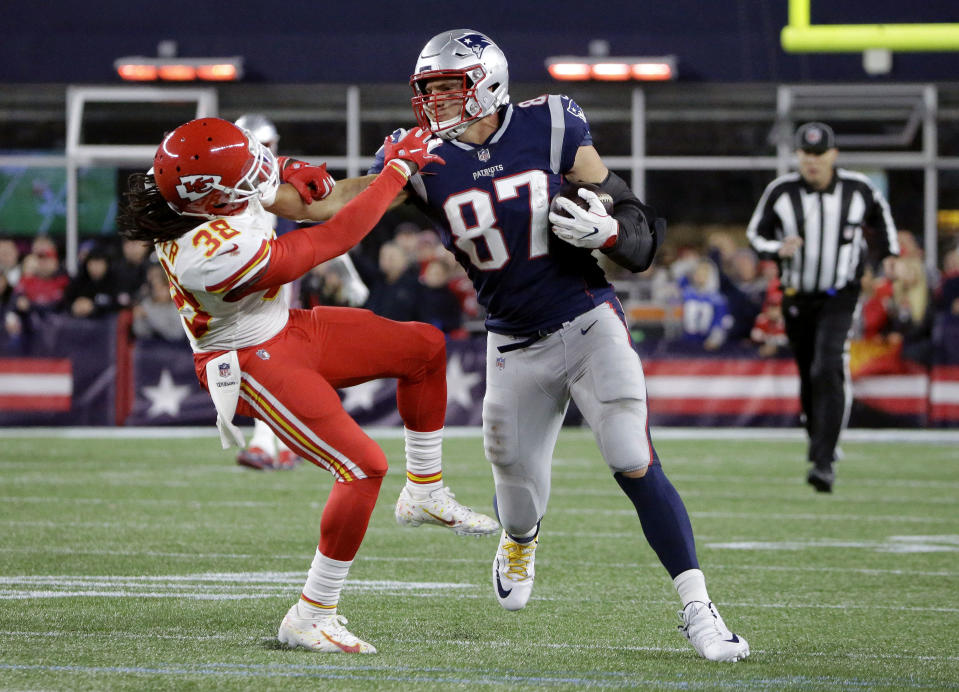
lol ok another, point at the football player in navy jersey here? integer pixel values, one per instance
(556, 328)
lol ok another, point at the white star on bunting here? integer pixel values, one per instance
(459, 383)
(166, 396)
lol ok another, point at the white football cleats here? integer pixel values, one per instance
(513, 571)
(706, 631)
(326, 634)
(441, 508)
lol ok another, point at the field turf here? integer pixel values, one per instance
(159, 564)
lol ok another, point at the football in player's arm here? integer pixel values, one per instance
(556, 330)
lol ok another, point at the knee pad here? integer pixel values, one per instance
(372, 460)
(623, 436)
(434, 340)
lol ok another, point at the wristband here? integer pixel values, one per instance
(402, 166)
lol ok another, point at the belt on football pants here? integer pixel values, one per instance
(529, 339)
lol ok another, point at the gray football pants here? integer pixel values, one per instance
(528, 391)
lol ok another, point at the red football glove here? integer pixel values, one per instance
(411, 148)
(312, 182)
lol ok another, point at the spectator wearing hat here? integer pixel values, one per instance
(769, 329)
(39, 290)
(42, 281)
(819, 224)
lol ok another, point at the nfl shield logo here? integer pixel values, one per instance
(224, 369)
(501, 363)
(263, 354)
(483, 155)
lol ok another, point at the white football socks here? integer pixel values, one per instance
(324, 582)
(263, 437)
(691, 586)
(424, 461)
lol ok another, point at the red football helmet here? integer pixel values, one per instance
(210, 167)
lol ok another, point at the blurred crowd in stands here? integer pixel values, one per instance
(410, 276)
(719, 297)
(714, 296)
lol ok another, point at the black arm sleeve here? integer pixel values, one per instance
(641, 232)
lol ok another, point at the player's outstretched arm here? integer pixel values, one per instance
(290, 205)
(409, 146)
(298, 251)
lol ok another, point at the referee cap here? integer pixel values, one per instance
(815, 137)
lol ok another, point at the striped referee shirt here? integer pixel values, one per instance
(831, 223)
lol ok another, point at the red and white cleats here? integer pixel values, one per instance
(441, 508)
(326, 634)
(286, 460)
(255, 458)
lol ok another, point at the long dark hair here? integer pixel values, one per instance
(145, 215)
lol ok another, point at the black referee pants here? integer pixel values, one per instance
(818, 327)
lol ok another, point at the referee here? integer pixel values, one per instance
(815, 224)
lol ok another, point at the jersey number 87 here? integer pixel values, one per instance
(466, 237)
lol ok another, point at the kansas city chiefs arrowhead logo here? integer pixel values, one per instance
(193, 187)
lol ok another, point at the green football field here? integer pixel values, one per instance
(159, 564)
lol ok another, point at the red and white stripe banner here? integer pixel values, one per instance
(35, 384)
(699, 386)
(944, 394)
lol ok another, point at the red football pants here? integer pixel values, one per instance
(290, 382)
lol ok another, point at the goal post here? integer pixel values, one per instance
(82, 154)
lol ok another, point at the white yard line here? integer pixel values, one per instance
(258, 585)
(884, 435)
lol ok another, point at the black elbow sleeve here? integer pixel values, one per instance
(641, 232)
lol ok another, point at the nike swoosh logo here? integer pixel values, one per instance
(595, 231)
(351, 649)
(448, 522)
(583, 331)
(230, 250)
(503, 593)
(734, 640)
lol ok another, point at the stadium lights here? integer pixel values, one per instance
(612, 69)
(141, 69)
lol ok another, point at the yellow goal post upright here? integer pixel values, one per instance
(914, 105)
(801, 36)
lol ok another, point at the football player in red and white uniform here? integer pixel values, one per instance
(205, 208)
(265, 452)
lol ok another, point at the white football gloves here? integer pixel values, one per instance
(592, 228)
